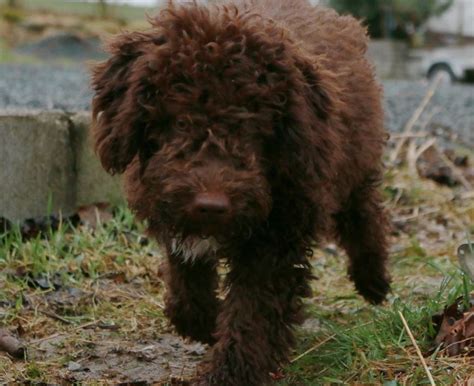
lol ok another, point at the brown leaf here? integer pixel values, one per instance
(277, 375)
(456, 332)
(93, 215)
(430, 165)
(11, 345)
(458, 160)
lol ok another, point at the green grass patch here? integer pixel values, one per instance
(109, 276)
(125, 12)
(374, 348)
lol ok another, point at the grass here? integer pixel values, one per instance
(7, 55)
(122, 11)
(370, 346)
(35, 19)
(104, 265)
(115, 276)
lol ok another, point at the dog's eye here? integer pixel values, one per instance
(204, 97)
(262, 79)
(152, 146)
(240, 165)
(182, 123)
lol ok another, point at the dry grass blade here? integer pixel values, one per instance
(415, 153)
(414, 118)
(418, 351)
(319, 344)
(324, 341)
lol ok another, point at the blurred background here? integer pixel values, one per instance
(79, 278)
(412, 39)
(46, 47)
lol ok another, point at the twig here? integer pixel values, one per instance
(415, 153)
(419, 134)
(418, 351)
(417, 214)
(52, 315)
(414, 118)
(411, 158)
(430, 116)
(467, 195)
(146, 348)
(424, 147)
(465, 340)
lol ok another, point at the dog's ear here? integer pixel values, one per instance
(318, 88)
(118, 85)
(310, 125)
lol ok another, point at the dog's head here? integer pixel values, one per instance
(210, 112)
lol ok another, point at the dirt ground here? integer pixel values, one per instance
(86, 300)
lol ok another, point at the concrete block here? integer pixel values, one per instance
(93, 184)
(36, 164)
(47, 163)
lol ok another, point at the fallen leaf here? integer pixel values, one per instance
(39, 226)
(445, 168)
(277, 375)
(11, 345)
(93, 215)
(430, 165)
(456, 330)
(458, 160)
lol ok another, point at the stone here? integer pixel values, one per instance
(93, 184)
(48, 166)
(36, 164)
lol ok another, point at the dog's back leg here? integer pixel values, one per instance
(363, 231)
(191, 301)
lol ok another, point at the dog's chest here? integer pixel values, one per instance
(192, 248)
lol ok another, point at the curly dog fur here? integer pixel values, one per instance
(247, 131)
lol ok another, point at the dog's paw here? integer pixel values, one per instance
(373, 289)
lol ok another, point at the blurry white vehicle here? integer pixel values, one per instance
(452, 63)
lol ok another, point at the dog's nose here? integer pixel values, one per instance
(210, 204)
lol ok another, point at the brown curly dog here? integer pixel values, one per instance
(247, 131)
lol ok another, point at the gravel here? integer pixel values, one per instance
(450, 112)
(64, 46)
(44, 86)
(51, 86)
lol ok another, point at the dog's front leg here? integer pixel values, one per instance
(191, 301)
(254, 328)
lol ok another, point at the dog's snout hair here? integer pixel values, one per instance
(247, 131)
